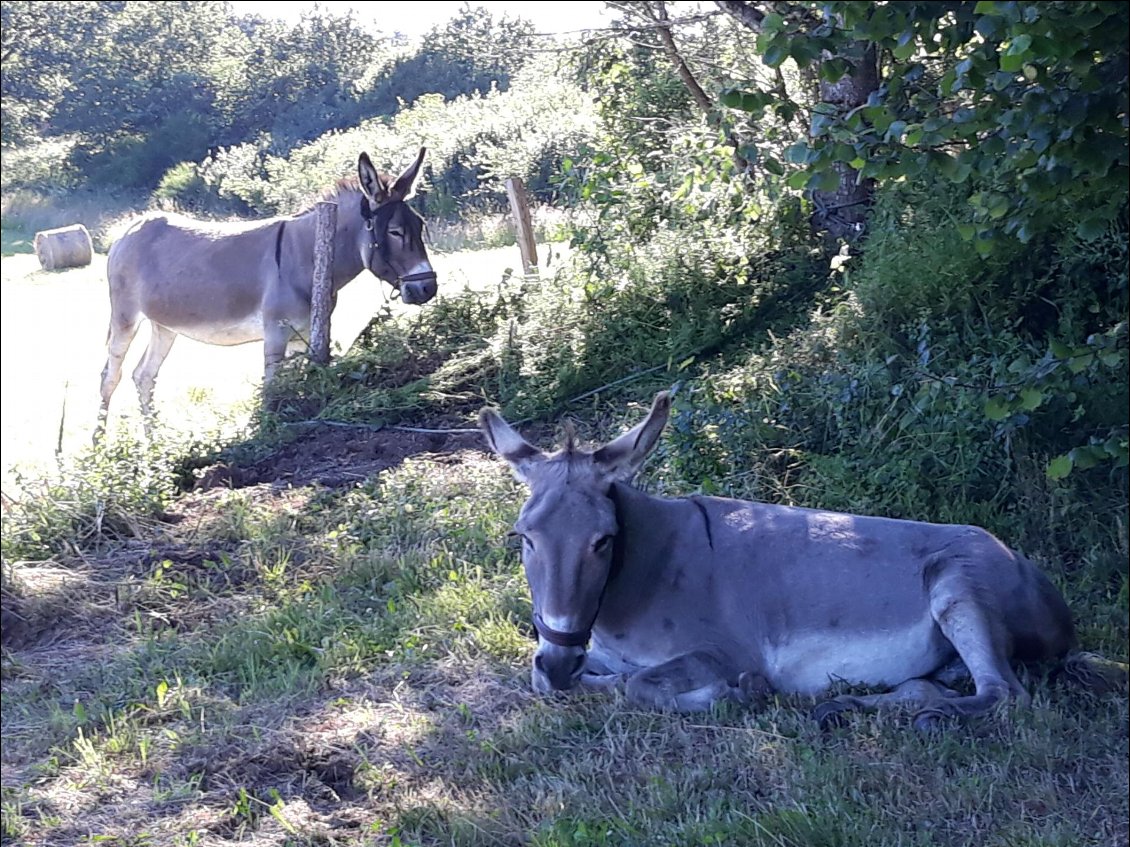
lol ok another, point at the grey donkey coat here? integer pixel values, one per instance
(685, 602)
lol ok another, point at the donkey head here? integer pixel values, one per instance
(568, 527)
(392, 243)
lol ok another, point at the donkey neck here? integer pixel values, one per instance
(651, 529)
(347, 262)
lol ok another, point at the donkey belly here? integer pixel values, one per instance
(224, 333)
(810, 662)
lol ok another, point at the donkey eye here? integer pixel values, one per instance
(517, 539)
(602, 544)
(396, 233)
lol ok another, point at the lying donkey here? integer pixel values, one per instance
(696, 600)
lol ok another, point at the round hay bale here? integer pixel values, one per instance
(65, 247)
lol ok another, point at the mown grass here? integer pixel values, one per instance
(347, 666)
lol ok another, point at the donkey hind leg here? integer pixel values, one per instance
(916, 692)
(692, 682)
(145, 374)
(982, 647)
(118, 339)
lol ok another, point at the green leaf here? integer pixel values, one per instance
(1059, 467)
(1091, 228)
(1085, 458)
(1011, 63)
(998, 206)
(1059, 349)
(773, 23)
(797, 153)
(774, 55)
(985, 245)
(824, 181)
(997, 408)
(1031, 399)
(797, 180)
(1019, 45)
(1078, 364)
(833, 70)
(905, 51)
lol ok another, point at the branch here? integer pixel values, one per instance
(700, 97)
(746, 14)
(664, 31)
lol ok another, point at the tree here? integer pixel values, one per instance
(296, 82)
(847, 77)
(474, 51)
(38, 59)
(1026, 101)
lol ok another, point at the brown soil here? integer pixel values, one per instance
(337, 455)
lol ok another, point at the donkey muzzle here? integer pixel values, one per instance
(560, 657)
(557, 668)
(419, 288)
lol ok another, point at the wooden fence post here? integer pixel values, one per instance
(520, 209)
(321, 300)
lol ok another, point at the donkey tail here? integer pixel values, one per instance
(1095, 673)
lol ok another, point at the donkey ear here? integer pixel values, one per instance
(370, 178)
(503, 440)
(624, 456)
(402, 188)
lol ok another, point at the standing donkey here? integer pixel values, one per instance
(234, 282)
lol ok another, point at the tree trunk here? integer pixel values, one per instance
(843, 213)
(321, 296)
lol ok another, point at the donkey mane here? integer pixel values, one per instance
(569, 446)
(343, 185)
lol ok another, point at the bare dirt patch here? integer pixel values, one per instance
(336, 455)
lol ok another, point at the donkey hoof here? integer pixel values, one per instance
(753, 690)
(930, 720)
(830, 714)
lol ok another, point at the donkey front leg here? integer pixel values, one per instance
(693, 682)
(280, 340)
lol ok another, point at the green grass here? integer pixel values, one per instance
(348, 666)
(15, 241)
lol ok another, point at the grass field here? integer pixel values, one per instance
(346, 664)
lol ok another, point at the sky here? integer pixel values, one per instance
(417, 17)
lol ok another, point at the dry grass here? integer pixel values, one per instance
(348, 667)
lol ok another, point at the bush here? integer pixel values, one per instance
(105, 494)
(183, 188)
(474, 143)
